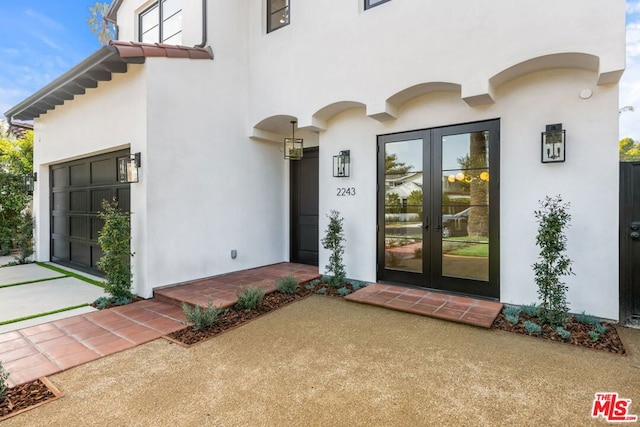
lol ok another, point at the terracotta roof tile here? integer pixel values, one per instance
(148, 50)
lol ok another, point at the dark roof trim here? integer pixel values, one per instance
(112, 12)
(97, 67)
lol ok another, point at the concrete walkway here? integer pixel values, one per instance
(30, 289)
(329, 362)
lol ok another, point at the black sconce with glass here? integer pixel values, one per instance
(342, 164)
(553, 144)
(128, 168)
(29, 182)
(293, 147)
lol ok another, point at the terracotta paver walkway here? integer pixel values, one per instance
(221, 290)
(53, 347)
(450, 307)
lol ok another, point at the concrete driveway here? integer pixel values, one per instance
(30, 289)
(328, 362)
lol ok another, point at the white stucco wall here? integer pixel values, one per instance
(347, 75)
(191, 17)
(107, 118)
(588, 179)
(335, 51)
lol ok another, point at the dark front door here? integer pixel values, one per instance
(304, 208)
(77, 191)
(438, 208)
(630, 243)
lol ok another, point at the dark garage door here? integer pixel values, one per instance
(77, 191)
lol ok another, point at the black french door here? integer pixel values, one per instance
(438, 206)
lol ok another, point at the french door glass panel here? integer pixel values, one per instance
(403, 176)
(465, 205)
(438, 208)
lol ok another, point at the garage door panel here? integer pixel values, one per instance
(96, 226)
(60, 177)
(60, 249)
(78, 201)
(103, 171)
(124, 198)
(77, 191)
(97, 196)
(80, 253)
(79, 227)
(79, 175)
(59, 224)
(60, 202)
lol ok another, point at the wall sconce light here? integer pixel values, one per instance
(29, 182)
(293, 147)
(128, 168)
(342, 164)
(553, 144)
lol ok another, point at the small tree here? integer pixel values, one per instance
(16, 162)
(98, 23)
(334, 241)
(115, 241)
(553, 263)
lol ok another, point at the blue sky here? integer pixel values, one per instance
(41, 39)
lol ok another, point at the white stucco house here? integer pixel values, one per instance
(457, 94)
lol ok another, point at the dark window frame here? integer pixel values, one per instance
(161, 20)
(270, 13)
(368, 5)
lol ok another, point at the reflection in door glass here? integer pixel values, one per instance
(465, 205)
(403, 208)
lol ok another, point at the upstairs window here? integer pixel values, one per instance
(277, 14)
(368, 4)
(161, 23)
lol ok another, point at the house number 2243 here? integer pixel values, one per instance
(343, 192)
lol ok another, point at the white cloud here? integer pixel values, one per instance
(633, 39)
(53, 45)
(633, 6)
(45, 20)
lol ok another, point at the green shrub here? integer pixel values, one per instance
(600, 328)
(321, 291)
(102, 303)
(594, 335)
(199, 317)
(115, 241)
(24, 238)
(4, 375)
(563, 333)
(250, 298)
(334, 241)
(512, 313)
(532, 327)
(13, 200)
(287, 285)
(530, 309)
(310, 286)
(121, 300)
(343, 291)
(553, 263)
(357, 284)
(586, 319)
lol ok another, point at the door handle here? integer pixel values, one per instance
(635, 230)
(425, 224)
(635, 235)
